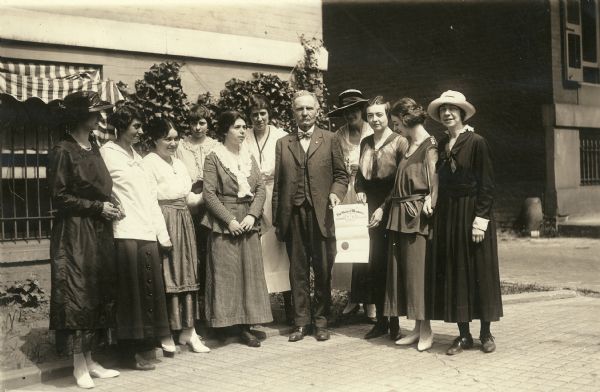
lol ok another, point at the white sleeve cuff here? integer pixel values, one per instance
(164, 238)
(480, 223)
(193, 199)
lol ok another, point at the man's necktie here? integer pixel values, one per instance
(304, 135)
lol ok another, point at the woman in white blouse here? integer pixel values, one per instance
(171, 186)
(261, 141)
(141, 305)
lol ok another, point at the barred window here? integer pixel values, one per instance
(589, 144)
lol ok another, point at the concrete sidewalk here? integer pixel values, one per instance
(555, 262)
(542, 346)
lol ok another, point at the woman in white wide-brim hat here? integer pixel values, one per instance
(465, 283)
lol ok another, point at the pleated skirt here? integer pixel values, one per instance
(463, 277)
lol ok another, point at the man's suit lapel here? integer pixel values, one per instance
(295, 148)
(315, 142)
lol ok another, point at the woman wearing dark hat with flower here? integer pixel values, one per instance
(82, 303)
(464, 266)
(351, 104)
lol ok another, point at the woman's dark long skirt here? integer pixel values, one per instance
(142, 307)
(464, 276)
(368, 280)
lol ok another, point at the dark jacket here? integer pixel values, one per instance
(326, 174)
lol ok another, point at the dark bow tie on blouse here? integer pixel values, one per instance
(304, 135)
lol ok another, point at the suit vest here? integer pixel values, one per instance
(303, 190)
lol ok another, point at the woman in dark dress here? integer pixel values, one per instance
(82, 303)
(464, 267)
(234, 193)
(380, 154)
(409, 208)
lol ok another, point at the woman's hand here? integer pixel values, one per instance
(248, 222)
(427, 208)
(166, 246)
(235, 228)
(109, 212)
(478, 235)
(361, 197)
(375, 218)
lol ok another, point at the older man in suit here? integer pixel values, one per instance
(310, 179)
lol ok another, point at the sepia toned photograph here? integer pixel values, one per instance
(299, 195)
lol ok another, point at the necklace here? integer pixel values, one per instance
(260, 149)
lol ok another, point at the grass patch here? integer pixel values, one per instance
(518, 288)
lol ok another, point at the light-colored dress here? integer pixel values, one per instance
(275, 257)
(193, 156)
(351, 156)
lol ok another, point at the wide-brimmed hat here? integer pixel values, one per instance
(452, 98)
(347, 99)
(85, 101)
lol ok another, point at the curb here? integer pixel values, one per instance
(537, 296)
(36, 374)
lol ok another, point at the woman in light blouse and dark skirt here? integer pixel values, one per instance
(465, 279)
(379, 157)
(409, 208)
(141, 308)
(171, 185)
(234, 194)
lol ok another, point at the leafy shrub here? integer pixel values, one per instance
(26, 294)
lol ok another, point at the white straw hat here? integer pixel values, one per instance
(452, 98)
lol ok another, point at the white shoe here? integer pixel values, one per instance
(350, 308)
(81, 373)
(84, 381)
(98, 371)
(168, 345)
(191, 338)
(409, 339)
(426, 336)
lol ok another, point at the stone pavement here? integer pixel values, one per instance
(542, 346)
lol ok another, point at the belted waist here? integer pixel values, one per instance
(174, 203)
(234, 199)
(458, 190)
(406, 199)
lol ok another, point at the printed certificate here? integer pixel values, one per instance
(351, 233)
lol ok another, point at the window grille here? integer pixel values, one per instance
(589, 144)
(25, 205)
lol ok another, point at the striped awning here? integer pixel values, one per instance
(49, 82)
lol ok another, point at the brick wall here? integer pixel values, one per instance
(282, 20)
(498, 54)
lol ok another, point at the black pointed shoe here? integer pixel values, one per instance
(322, 334)
(379, 329)
(460, 344)
(395, 333)
(487, 344)
(298, 334)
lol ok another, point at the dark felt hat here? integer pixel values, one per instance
(85, 101)
(347, 99)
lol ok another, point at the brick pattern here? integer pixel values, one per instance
(497, 54)
(542, 346)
